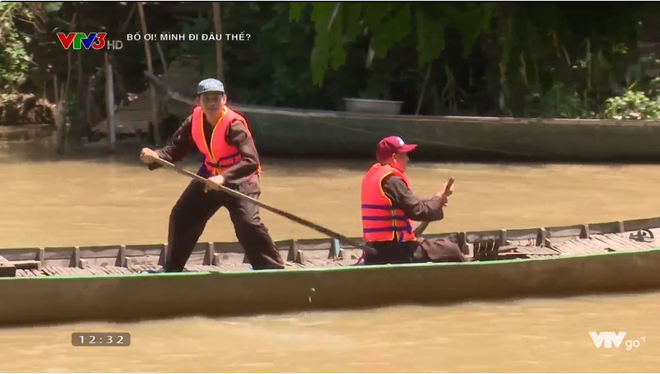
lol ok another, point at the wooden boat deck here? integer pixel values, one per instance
(549, 242)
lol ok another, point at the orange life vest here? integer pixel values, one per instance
(220, 155)
(381, 221)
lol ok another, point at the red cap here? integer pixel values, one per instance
(391, 145)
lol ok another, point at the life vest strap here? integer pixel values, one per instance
(384, 218)
(377, 206)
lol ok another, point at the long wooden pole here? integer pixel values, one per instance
(150, 68)
(217, 24)
(290, 216)
(110, 103)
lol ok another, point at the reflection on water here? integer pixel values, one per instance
(92, 199)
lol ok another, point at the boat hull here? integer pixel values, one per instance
(108, 283)
(299, 133)
(145, 296)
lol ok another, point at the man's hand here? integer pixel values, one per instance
(148, 156)
(446, 191)
(447, 188)
(214, 183)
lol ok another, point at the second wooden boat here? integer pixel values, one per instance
(317, 133)
(303, 133)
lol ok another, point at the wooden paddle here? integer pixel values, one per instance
(277, 211)
(422, 226)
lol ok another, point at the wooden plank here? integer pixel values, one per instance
(606, 228)
(565, 248)
(628, 244)
(540, 251)
(99, 251)
(293, 249)
(613, 244)
(598, 246)
(572, 231)
(591, 246)
(29, 264)
(474, 236)
(522, 234)
(121, 256)
(57, 253)
(151, 250)
(208, 256)
(642, 223)
(234, 247)
(19, 254)
(335, 248)
(300, 257)
(162, 257)
(618, 243)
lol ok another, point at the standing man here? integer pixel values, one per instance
(222, 136)
(389, 207)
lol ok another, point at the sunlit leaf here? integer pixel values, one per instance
(51, 7)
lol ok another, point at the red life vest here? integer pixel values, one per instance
(220, 155)
(381, 221)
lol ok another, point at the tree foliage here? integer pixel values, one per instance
(387, 24)
(477, 58)
(15, 60)
(543, 58)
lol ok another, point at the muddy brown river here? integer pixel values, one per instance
(94, 199)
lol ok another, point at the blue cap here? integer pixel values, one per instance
(210, 85)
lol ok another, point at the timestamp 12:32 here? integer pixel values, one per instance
(100, 339)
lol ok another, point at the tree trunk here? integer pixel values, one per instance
(119, 82)
(110, 104)
(150, 68)
(217, 24)
(161, 55)
(62, 103)
(80, 125)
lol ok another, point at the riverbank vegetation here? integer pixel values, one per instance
(571, 60)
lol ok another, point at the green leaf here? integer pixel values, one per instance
(353, 16)
(51, 7)
(295, 11)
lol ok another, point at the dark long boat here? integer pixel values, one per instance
(332, 134)
(50, 285)
(307, 133)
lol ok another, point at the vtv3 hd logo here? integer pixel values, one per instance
(80, 39)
